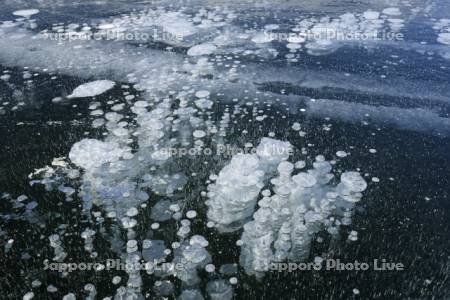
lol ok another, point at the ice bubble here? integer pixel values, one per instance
(273, 151)
(174, 207)
(293, 46)
(198, 240)
(202, 94)
(341, 154)
(69, 296)
(36, 283)
(204, 103)
(155, 252)
(202, 49)
(106, 26)
(195, 253)
(266, 193)
(300, 164)
(353, 236)
(210, 268)
(191, 295)
(371, 15)
(141, 195)
(128, 223)
(141, 104)
(91, 89)
(57, 99)
(90, 153)
(191, 214)
(88, 233)
(320, 158)
(161, 155)
(199, 133)
(146, 244)
(185, 222)
(164, 288)
(28, 296)
(184, 231)
(161, 211)
(97, 112)
(132, 244)
(6, 77)
(296, 126)
(285, 167)
(219, 290)
(21, 198)
(116, 280)
(304, 180)
(26, 13)
(392, 11)
(444, 38)
(354, 181)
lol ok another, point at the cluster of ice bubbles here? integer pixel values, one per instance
(288, 217)
(321, 36)
(130, 166)
(283, 226)
(120, 178)
(207, 31)
(443, 30)
(120, 173)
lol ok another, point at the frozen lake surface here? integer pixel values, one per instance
(224, 149)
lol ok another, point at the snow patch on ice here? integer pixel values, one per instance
(91, 89)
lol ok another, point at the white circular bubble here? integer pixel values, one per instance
(202, 94)
(210, 268)
(26, 13)
(341, 154)
(191, 214)
(199, 134)
(304, 180)
(354, 181)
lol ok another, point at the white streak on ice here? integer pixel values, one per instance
(415, 119)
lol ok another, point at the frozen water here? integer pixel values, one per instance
(220, 78)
